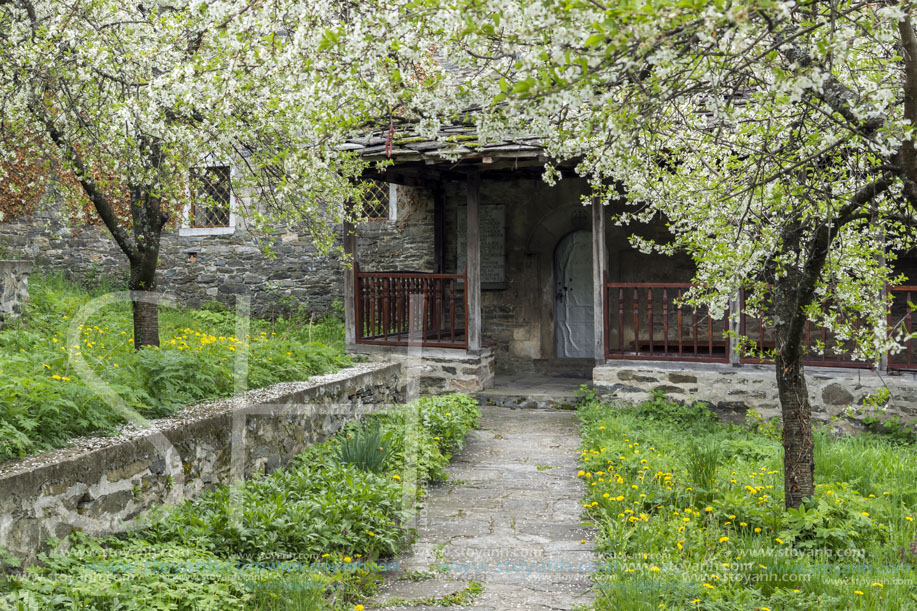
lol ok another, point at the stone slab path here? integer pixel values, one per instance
(509, 519)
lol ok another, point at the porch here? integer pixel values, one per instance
(496, 272)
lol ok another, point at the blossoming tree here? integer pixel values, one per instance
(775, 137)
(128, 98)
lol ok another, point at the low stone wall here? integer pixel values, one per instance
(101, 485)
(836, 393)
(14, 288)
(433, 371)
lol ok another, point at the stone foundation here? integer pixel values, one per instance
(836, 393)
(432, 371)
(14, 288)
(102, 485)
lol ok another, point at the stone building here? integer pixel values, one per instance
(521, 277)
(223, 256)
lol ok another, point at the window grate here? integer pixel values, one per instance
(212, 190)
(375, 201)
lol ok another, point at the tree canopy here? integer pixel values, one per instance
(775, 138)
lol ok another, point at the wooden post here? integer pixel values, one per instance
(473, 261)
(598, 278)
(350, 250)
(439, 228)
(732, 345)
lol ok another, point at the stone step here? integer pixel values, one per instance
(533, 392)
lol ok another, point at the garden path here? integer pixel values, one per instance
(509, 518)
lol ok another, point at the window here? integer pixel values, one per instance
(211, 196)
(376, 201)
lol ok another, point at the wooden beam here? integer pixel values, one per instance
(473, 259)
(350, 250)
(598, 278)
(439, 228)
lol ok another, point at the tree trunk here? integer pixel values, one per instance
(791, 292)
(146, 321)
(798, 446)
(142, 285)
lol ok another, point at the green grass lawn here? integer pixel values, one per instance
(690, 514)
(44, 401)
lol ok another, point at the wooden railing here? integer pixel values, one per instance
(643, 321)
(407, 308)
(902, 317)
(823, 349)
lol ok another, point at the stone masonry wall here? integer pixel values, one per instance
(436, 370)
(200, 269)
(836, 393)
(102, 485)
(14, 288)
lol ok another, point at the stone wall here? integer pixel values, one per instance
(101, 485)
(200, 269)
(432, 371)
(836, 393)
(14, 288)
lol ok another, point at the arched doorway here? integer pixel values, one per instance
(574, 332)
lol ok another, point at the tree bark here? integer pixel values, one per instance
(142, 285)
(148, 221)
(798, 446)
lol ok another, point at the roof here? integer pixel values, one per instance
(452, 142)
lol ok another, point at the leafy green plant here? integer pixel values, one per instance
(367, 447)
(662, 408)
(835, 519)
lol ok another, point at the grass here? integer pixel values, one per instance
(306, 538)
(45, 401)
(700, 524)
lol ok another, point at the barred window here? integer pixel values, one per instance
(376, 201)
(211, 196)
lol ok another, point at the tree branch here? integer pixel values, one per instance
(99, 201)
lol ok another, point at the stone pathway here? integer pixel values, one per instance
(509, 519)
